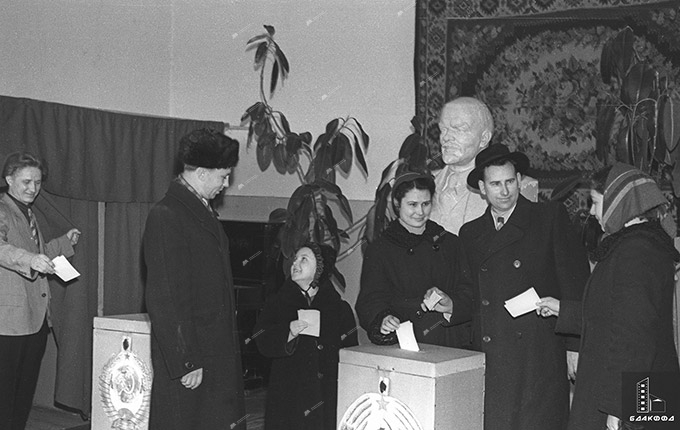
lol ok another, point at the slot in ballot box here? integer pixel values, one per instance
(121, 372)
(436, 388)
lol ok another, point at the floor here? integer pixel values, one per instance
(54, 419)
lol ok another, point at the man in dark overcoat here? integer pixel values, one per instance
(190, 298)
(514, 246)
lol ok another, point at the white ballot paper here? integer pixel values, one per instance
(313, 318)
(522, 303)
(63, 269)
(407, 340)
(432, 300)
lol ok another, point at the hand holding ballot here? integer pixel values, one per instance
(63, 269)
(437, 300)
(522, 303)
(548, 306)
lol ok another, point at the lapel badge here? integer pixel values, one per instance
(517, 264)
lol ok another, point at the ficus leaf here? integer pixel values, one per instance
(360, 157)
(606, 66)
(340, 279)
(284, 122)
(622, 51)
(292, 162)
(293, 143)
(331, 126)
(281, 58)
(306, 137)
(278, 215)
(280, 159)
(675, 155)
(638, 84)
(274, 78)
(260, 55)
(256, 38)
(669, 121)
(265, 151)
(319, 231)
(346, 149)
(270, 29)
(622, 138)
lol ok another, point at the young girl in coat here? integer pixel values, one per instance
(303, 382)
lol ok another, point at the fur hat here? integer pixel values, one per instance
(209, 149)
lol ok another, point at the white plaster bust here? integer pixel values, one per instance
(466, 127)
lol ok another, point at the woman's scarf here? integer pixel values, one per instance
(628, 194)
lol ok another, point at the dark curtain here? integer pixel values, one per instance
(73, 304)
(93, 156)
(123, 288)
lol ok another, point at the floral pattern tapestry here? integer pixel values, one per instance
(536, 64)
(538, 72)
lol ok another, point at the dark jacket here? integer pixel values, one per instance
(399, 267)
(627, 320)
(526, 372)
(190, 299)
(303, 384)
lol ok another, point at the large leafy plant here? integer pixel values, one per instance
(308, 217)
(639, 121)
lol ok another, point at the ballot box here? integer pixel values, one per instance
(387, 387)
(121, 372)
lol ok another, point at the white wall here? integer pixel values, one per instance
(187, 59)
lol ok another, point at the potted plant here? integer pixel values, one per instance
(639, 121)
(308, 216)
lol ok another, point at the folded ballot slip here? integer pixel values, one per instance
(406, 337)
(63, 269)
(431, 301)
(522, 303)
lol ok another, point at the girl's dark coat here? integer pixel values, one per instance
(303, 385)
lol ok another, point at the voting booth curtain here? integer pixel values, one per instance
(105, 171)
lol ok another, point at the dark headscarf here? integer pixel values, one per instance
(325, 262)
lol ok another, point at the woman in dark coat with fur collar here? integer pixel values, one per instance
(303, 385)
(626, 316)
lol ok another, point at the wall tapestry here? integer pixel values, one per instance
(536, 64)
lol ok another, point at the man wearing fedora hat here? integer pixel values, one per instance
(195, 351)
(514, 246)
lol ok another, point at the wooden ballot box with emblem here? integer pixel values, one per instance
(387, 387)
(121, 372)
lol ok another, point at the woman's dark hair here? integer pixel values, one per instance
(422, 182)
(18, 160)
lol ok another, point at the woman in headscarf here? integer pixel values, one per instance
(626, 316)
(411, 261)
(303, 384)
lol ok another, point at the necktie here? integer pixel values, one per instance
(500, 223)
(33, 226)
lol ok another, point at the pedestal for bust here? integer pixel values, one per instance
(436, 388)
